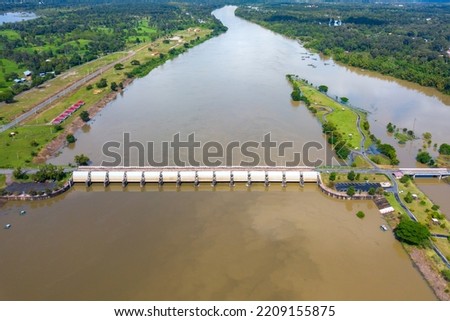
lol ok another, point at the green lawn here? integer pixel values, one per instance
(360, 162)
(342, 178)
(11, 34)
(7, 66)
(341, 115)
(2, 181)
(17, 150)
(421, 208)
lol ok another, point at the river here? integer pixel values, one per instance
(209, 244)
(16, 16)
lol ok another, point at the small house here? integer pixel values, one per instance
(27, 73)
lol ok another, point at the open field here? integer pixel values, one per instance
(421, 208)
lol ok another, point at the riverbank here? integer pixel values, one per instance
(426, 260)
(36, 140)
(350, 131)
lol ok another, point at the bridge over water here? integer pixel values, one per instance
(426, 172)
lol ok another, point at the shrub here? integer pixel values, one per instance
(84, 115)
(408, 198)
(333, 176)
(102, 83)
(70, 138)
(351, 175)
(446, 274)
(81, 160)
(18, 173)
(444, 149)
(113, 86)
(435, 207)
(360, 214)
(351, 191)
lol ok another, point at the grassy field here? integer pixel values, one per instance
(2, 181)
(360, 162)
(421, 208)
(339, 114)
(19, 150)
(380, 159)
(342, 178)
(443, 161)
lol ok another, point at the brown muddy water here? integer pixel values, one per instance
(293, 244)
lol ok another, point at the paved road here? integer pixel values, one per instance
(64, 92)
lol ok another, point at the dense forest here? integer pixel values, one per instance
(410, 42)
(66, 36)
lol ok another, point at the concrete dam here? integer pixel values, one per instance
(194, 175)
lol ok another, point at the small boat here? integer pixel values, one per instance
(383, 228)
(22, 212)
(8, 226)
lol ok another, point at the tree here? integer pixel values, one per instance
(7, 96)
(135, 62)
(81, 160)
(351, 191)
(408, 197)
(49, 172)
(372, 191)
(351, 175)
(427, 136)
(18, 173)
(444, 149)
(390, 128)
(332, 176)
(412, 232)
(366, 125)
(344, 100)
(118, 66)
(84, 115)
(424, 157)
(70, 138)
(360, 214)
(102, 83)
(114, 86)
(296, 95)
(323, 88)
(405, 179)
(379, 191)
